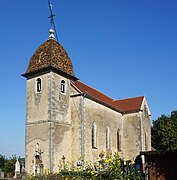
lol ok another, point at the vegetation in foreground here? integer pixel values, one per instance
(107, 168)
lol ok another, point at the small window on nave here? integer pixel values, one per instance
(118, 140)
(94, 138)
(63, 86)
(107, 138)
(38, 85)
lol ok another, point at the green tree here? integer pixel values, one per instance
(2, 162)
(9, 165)
(164, 132)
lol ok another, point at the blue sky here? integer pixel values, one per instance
(123, 48)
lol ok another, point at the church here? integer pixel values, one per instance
(66, 118)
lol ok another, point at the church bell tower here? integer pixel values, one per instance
(48, 110)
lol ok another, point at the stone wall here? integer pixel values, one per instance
(37, 125)
(48, 121)
(103, 117)
(146, 123)
(54, 121)
(132, 135)
(137, 132)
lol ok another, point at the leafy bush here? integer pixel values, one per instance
(9, 165)
(107, 168)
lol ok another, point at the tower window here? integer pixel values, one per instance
(107, 138)
(38, 85)
(63, 86)
(93, 134)
(118, 140)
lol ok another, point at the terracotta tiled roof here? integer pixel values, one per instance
(124, 105)
(51, 53)
(130, 104)
(92, 92)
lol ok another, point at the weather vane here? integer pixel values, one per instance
(52, 23)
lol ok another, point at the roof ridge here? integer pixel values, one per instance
(128, 98)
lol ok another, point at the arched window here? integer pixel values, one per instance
(38, 85)
(118, 140)
(37, 147)
(145, 141)
(93, 134)
(63, 86)
(107, 138)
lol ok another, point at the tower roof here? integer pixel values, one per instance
(50, 54)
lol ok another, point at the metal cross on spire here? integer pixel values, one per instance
(52, 24)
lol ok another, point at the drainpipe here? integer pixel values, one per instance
(82, 129)
(122, 137)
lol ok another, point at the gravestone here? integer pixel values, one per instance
(1, 174)
(23, 172)
(17, 169)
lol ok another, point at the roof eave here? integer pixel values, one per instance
(131, 111)
(101, 102)
(75, 87)
(48, 69)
